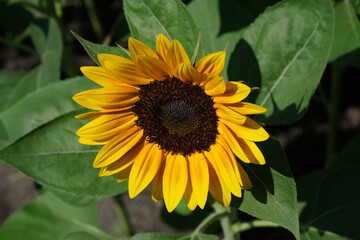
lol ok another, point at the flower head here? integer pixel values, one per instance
(165, 121)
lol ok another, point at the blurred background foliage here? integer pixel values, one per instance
(316, 125)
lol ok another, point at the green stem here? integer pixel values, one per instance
(226, 221)
(207, 221)
(95, 22)
(336, 72)
(245, 226)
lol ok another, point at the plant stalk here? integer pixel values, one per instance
(226, 221)
(245, 226)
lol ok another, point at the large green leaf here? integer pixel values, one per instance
(273, 196)
(52, 156)
(49, 218)
(148, 18)
(330, 197)
(213, 17)
(347, 30)
(47, 39)
(40, 107)
(94, 49)
(163, 236)
(284, 52)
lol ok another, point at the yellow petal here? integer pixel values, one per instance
(218, 190)
(86, 141)
(228, 114)
(246, 108)
(176, 55)
(89, 115)
(162, 46)
(186, 72)
(253, 152)
(228, 152)
(153, 67)
(144, 169)
(123, 175)
(100, 76)
(223, 167)
(240, 147)
(107, 126)
(199, 175)
(137, 48)
(212, 63)
(156, 186)
(245, 182)
(108, 98)
(125, 161)
(123, 69)
(250, 130)
(214, 85)
(235, 92)
(190, 197)
(118, 146)
(174, 180)
(233, 142)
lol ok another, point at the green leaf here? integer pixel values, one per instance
(94, 49)
(47, 39)
(8, 82)
(331, 197)
(273, 196)
(48, 42)
(148, 18)
(49, 218)
(356, 5)
(80, 236)
(347, 30)
(209, 16)
(314, 234)
(40, 107)
(52, 156)
(74, 198)
(163, 236)
(285, 52)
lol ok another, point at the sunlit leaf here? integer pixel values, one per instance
(148, 18)
(94, 49)
(52, 156)
(40, 107)
(50, 218)
(347, 30)
(284, 52)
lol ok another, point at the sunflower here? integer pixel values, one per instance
(163, 120)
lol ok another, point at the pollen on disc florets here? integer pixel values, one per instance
(179, 116)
